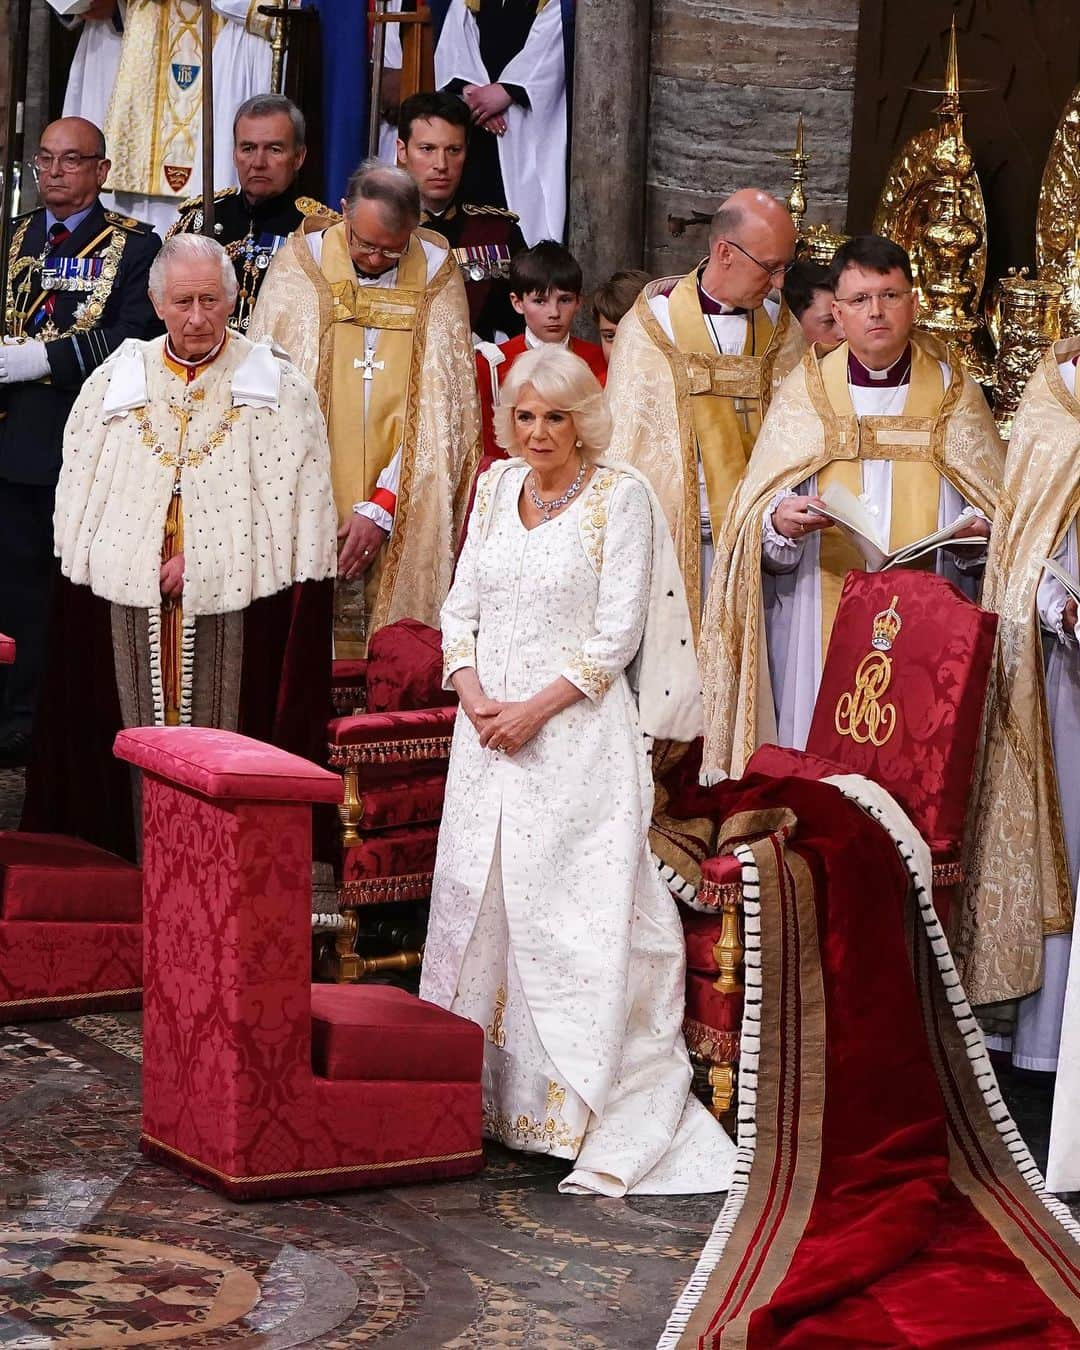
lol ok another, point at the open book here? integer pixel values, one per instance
(854, 518)
(1066, 578)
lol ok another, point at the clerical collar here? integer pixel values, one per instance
(190, 370)
(532, 341)
(710, 304)
(890, 378)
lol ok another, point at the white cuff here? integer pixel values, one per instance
(1053, 617)
(370, 511)
(777, 548)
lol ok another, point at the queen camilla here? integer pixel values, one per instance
(567, 637)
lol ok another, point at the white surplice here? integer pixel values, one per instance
(93, 69)
(791, 590)
(532, 153)
(550, 926)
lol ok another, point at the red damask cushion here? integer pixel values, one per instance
(705, 1004)
(7, 650)
(382, 730)
(223, 765)
(404, 670)
(701, 932)
(392, 853)
(940, 663)
(418, 800)
(56, 878)
(379, 1032)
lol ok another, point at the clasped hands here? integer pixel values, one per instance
(504, 727)
(487, 103)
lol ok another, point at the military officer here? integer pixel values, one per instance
(254, 220)
(432, 137)
(76, 288)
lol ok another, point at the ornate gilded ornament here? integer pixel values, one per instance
(860, 712)
(1057, 224)
(1025, 319)
(932, 204)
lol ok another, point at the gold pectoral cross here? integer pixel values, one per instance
(368, 365)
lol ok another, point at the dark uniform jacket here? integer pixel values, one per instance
(98, 276)
(484, 239)
(251, 235)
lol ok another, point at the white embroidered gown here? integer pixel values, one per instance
(550, 926)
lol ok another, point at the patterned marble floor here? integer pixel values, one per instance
(99, 1247)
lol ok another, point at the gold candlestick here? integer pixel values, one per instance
(796, 202)
(1027, 319)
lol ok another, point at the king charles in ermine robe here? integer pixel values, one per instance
(225, 461)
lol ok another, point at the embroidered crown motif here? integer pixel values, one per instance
(887, 626)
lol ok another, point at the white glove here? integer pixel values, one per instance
(23, 361)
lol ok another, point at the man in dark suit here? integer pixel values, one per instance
(77, 287)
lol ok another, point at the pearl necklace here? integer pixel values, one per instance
(559, 502)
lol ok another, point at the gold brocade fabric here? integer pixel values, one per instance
(915, 482)
(1017, 878)
(153, 134)
(363, 444)
(650, 391)
(727, 408)
(440, 423)
(800, 436)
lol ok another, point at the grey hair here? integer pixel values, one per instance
(269, 105)
(726, 222)
(190, 248)
(392, 188)
(564, 381)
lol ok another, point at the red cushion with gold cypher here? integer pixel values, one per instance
(902, 693)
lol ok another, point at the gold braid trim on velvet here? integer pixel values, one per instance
(390, 752)
(800, 436)
(708, 1044)
(1018, 885)
(650, 391)
(382, 890)
(68, 998)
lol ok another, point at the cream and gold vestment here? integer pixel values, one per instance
(810, 432)
(678, 403)
(1018, 885)
(395, 372)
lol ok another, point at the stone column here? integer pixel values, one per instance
(607, 162)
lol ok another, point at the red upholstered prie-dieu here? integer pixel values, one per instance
(230, 1096)
(70, 928)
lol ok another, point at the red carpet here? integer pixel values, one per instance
(883, 1196)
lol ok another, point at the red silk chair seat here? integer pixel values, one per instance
(941, 660)
(416, 799)
(701, 932)
(707, 1005)
(7, 650)
(382, 731)
(404, 669)
(375, 1032)
(58, 879)
(392, 853)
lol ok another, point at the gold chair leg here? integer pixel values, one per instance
(729, 950)
(722, 1083)
(347, 959)
(351, 810)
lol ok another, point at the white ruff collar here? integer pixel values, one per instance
(256, 382)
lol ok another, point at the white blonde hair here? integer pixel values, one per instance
(183, 248)
(564, 381)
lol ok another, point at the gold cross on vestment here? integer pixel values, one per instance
(744, 408)
(368, 365)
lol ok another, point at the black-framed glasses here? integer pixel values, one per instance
(781, 269)
(68, 161)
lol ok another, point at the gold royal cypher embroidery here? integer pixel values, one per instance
(860, 713)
